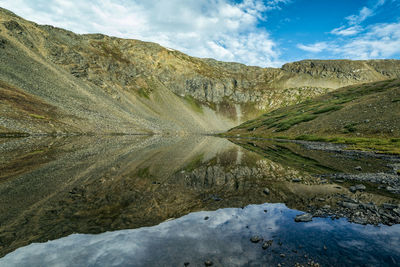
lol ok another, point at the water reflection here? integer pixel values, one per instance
(224, 238)
(53, 187)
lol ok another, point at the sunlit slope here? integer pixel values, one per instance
(366, 110)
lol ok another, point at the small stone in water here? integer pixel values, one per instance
(255, 239)
(306, 217)
(208, 263)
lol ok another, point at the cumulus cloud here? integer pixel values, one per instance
(219, 29)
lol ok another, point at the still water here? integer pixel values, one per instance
(158, 201)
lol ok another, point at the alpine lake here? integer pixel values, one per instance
(195, 201)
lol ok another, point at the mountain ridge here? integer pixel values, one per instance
(93, 83)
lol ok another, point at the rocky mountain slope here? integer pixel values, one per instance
(55, 81)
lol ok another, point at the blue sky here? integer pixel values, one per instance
(254, 32)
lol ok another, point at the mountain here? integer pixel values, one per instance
(53, 81)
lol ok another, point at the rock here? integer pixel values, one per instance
(267, 244)
(186, 264)
(296, 180)
(327, 207)
(282, 255)
(358, 168)
(3, 43)
(306, 217)
(360, 187)
(266, 191)
(391, 189)
(349, 205)
(255, 239)
(208, 263)
(216, 198)
(389, 206)
(353, 189)
(206, 218)
(12, 25)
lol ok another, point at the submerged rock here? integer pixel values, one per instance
(306, 217)
(255, 239)
(208, 263)
(267, 244)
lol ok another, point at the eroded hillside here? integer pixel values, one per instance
(55, 81)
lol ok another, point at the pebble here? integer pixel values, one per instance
(266, 191)
(358, 168)
(296, 180)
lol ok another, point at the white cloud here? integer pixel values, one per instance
(314, 48)
(377, 41)
(343, 31)
(364, 13)
(212, 28)
(380, 41)
(353, 21)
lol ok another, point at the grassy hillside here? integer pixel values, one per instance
(367, 115)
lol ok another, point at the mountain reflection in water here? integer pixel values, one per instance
(51, 188)
(224, 238)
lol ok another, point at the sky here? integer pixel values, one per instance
(266, 33)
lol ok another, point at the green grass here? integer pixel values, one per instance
(288, 123)
(144, 93)
(144, 173)
(13, 135)
(194, 163)
(194, 104)
(284, 118)
(36, 116)
(350, 128)
(327, 109)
